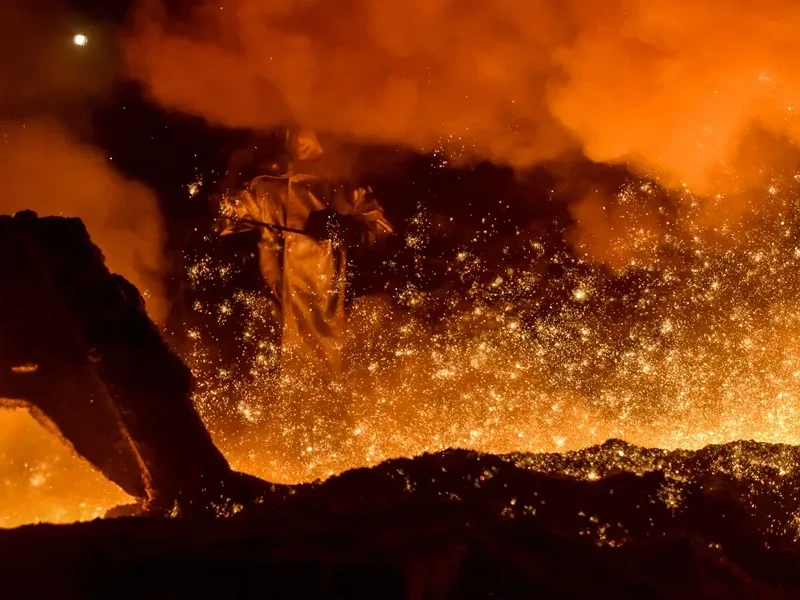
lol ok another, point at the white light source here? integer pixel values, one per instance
(80, 39)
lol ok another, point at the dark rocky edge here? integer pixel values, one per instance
(612, 521)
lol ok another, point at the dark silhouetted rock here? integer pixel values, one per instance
(79, 348)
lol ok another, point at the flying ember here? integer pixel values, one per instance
(80, 39)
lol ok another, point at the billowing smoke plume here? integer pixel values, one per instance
(671, 86)
(43, 169)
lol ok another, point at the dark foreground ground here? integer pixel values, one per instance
(613, 521)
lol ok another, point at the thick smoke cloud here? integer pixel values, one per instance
(670, 86)
(44, 169)
(678, 86)
(409, 73)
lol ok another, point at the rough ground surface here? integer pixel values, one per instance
(612, 521)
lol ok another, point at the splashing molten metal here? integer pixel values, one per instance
(691, 342)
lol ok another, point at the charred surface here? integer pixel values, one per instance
(454, 525)
(613, 521)
(78, 346)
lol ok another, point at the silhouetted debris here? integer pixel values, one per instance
(455, 524)
(79, 348)
(612, 521)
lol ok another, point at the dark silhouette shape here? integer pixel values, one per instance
(78, 347)
(713, 523)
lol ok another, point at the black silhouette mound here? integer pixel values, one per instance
(717, 523)
(79, 349)
(613, 521)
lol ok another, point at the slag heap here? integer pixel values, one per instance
(79, 350)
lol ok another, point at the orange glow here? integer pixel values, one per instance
(77, 180)
(701, 346)
(42, 480)
(669, 86)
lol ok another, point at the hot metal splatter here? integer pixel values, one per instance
(692, 341)
(664, 330)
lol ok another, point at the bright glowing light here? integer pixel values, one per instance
(80, 39)
(687, 342)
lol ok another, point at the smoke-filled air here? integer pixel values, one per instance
(665, 311)
(79, 180)
(671, 87)
(47, 168)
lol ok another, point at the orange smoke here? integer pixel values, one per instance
(43, 169)
(676, 85)
(671, 86)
